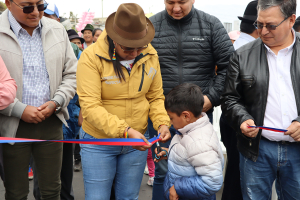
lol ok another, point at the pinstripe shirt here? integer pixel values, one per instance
(36, 86)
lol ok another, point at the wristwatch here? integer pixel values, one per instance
(58, 107)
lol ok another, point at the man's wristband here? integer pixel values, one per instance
(58, 107)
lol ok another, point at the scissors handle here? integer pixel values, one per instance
(158, 148)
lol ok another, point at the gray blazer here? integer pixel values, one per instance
(61, 65)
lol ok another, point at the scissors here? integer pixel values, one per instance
(159, 149)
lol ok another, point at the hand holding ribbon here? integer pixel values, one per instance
(249, 129)
(164, 133)
(135, 134)
(294, 131)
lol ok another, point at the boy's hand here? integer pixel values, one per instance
(173, 194)
(164, 132)
(161, 154)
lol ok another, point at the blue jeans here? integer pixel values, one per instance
(161, 167)
(101, 165)
(276, 161)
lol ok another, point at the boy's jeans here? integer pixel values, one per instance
(101, 165)
(161, 167)
(276, 160)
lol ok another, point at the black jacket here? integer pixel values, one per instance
(246, 91)
(190, 48)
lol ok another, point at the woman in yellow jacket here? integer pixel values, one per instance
(119, 86)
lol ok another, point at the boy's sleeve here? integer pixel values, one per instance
(192, 187)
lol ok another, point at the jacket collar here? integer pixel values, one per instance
(201, 122)
(247, 37)
(184, 20)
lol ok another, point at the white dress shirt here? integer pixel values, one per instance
(281, 107)
(242, 40)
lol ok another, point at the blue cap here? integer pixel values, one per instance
(52, 9)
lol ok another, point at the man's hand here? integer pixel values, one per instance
(32, 115)
(135, 134)
(161, 154)
(173, 194)
(294, 131)
(207, 104)
(164, 132)
(249, 132)
(47, 109)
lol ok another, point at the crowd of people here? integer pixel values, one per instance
(141, 78)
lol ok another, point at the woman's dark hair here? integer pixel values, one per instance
(95, 30)
(185, 97)
(116, 63)
(248, 28)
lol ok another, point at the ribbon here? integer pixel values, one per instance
(269, 129)
(109, 142)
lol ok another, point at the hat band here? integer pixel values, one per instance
(130, 35)
(250, 17)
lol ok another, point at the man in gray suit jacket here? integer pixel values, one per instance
(39, 57)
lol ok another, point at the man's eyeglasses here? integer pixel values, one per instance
(130, 50)
(268, 26)
(30, 9)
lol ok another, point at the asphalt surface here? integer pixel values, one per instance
(145, 190)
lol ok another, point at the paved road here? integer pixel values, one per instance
(145, 191)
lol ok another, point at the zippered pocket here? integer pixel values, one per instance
(247, 80)
(143, 76)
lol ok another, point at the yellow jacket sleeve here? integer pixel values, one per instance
(89, 92)
(156, 98)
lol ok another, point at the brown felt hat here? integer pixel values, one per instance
(129, 26)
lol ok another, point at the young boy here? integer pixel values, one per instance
(195, 160)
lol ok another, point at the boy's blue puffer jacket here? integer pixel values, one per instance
(195, 162)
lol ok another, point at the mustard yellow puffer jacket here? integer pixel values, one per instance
(108, 105)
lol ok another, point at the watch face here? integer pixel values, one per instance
(57, 110)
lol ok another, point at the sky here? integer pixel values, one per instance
(225, 10)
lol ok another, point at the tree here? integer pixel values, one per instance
(2, 7)
(71, 15)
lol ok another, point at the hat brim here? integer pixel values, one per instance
(128, 42)
(247, 20)
(76, 37)
(82, 31)
(49, 12)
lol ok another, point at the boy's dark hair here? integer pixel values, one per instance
(185, 97)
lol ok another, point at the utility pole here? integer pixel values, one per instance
(150, 9)
(102, 12)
